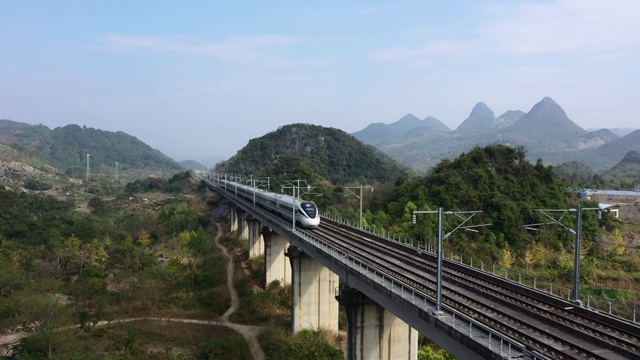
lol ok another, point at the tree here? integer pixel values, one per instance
(131, 189)
(612, 243)
(539, 253)
(527, 258)
(128, 243)
(97, 205)
(96, 254)
(506, 257)
(76, 252)
(195, 241)
(11, 280)
(143, 238)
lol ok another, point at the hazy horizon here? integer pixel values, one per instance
(199, 80)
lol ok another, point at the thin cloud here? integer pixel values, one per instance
(437, 48)
(530, 74)
(231, 49)
(561, 26)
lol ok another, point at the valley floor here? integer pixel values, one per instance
(9, 341)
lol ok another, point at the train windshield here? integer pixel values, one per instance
(309, 209)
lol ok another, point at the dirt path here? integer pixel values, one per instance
(235, 303)
(8, 341)
(250, 332)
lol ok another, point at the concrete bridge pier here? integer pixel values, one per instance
(313, 291)
(233, 218)
(277, 266)
(242, 227)
(256, 243)
(375, 333)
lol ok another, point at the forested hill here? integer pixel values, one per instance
(67, 147)
(328, 152)
(496, 180)
(627, 170)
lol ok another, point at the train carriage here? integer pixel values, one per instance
(306, 213)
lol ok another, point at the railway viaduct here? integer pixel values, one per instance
(385, 312)
(374, 331)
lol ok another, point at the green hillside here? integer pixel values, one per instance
(507, 189)
(328, 153)
(627, 171)
(67, 147)
(575, 173)
(497, 180)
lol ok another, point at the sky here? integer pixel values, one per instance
(199, 79)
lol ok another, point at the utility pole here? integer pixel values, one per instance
(293, 208)
(294, 184)
(252, 183)
(351, 190)
(297, 192)
(465, 216)
(257, 183)
(116, 171)
(87, 167)
(302, 190)
(578, 243)
(267, 181)
(293, 226)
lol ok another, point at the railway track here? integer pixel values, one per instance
(557, 331)
(553, 328)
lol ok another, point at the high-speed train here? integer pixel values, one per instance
(306, 212)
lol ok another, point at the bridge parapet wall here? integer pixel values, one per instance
(462, 336)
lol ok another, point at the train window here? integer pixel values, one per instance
(309, 209)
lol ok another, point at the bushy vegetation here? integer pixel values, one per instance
(67, 147)
(576, 174)
(261, 305)
(225, 347)
(626, 174)
(139, 340)
(428, 353)
(623, 176)
(280, 343)
(146, 250)
(125, 258)
(498, 181)
(329, 153)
